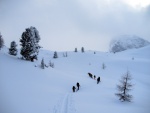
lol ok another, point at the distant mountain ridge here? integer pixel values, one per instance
(125, 42)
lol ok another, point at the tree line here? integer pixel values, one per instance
(29, 45)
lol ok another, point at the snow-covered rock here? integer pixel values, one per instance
(126, 42)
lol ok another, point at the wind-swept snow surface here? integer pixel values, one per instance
(26, 88)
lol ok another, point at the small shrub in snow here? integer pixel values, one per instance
(65, 54)
(13, 49)
(124, 88)
(51, 64)
(46, 66)
(103, 66)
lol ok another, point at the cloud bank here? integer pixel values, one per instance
(66, 24)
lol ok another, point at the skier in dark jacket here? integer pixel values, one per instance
(90, 75)
(94, 77)
(98, 80)
(78, 85)
(73, 88)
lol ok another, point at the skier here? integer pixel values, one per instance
(78, 85)
(94, 77)
(90, 75)
(73, 88)
(98, 80)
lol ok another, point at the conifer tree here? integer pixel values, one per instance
(55, 55)
(75, 50)
(29, 42)
(82, 49)
(42, 64)
(1, 41)
(124, 88)
(13, 49)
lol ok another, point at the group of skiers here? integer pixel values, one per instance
(74, 88)
(78, 85)
(94, 77)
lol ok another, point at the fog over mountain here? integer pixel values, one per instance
(74, 23)
(126, 42)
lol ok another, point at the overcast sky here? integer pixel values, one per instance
(66, 24)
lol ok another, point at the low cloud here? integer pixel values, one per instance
(65, 24)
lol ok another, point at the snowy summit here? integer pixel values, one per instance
(125, 42)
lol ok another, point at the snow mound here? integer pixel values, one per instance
(126, 42)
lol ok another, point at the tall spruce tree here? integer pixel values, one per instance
(124, 87)
(29, 42)
(1, 41)
(13, 49)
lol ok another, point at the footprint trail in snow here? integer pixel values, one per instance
(65, 105)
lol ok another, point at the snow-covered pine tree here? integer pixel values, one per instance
(82, 49)
(55, 55)
(124, 87)
(42, 64)
(13, 49)
(29, 42)
(1, 41)
(75, 50)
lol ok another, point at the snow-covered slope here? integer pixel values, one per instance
(126, 42)
(25, 88)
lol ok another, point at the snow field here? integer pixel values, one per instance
(29, 89)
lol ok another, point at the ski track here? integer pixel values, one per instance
(65, 105)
